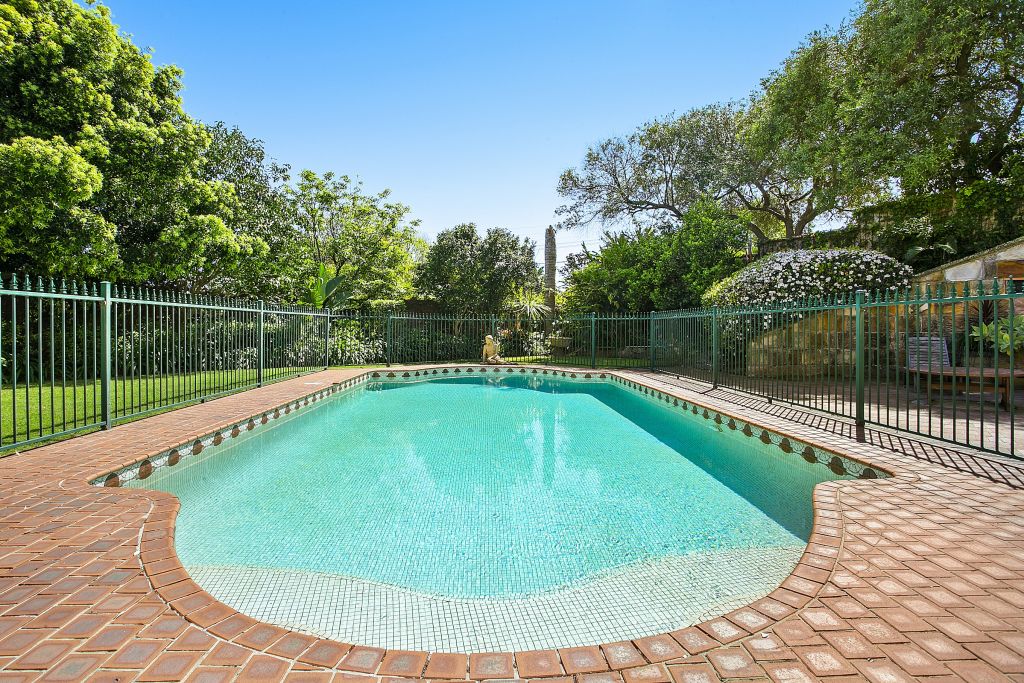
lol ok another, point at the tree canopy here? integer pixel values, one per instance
(361, 238)
(105, 160)
(649, 269)
(936, 90)
(907, 97)
(905, 121)
(909, 113)
(465, 272)
(103, 174)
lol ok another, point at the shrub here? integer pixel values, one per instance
(795, 275)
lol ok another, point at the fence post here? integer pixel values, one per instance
(715, 343)
(387, 343)
(593, 340)
(327, 341)
(260, 360)
(106, 352)
(860, 362)
(650, 341)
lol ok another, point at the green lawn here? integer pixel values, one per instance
(38, 411)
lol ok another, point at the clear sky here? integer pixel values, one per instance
(468, 111)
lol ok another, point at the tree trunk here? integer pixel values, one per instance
(550, 281)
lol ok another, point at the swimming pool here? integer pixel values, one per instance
(490, 512)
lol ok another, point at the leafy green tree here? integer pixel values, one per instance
(720, 152)
(625, 275)
(648, 269)
(100, 136)
(936, 90)
(465, 272)
(260, 216)
(796, 138)
(361, 238)
(43, 183)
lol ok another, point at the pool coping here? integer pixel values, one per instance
(171, 581)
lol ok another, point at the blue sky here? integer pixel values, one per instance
(468, 111)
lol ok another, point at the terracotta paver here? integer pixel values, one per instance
(915, 577)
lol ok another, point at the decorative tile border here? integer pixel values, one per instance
(840, 465)
(467, 370)
(143, 469)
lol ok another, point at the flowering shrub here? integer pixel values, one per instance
(795, 275)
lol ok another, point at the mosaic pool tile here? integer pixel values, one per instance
(497, 624)
(643, 600)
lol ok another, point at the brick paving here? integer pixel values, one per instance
(915, 577)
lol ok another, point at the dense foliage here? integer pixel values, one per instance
(936, 90)
(981, 215)
(650, 269)
(99, 165)
(103, 174)
(908, 117)
(790, 276)
(465, 272)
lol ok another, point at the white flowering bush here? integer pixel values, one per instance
(791, 276)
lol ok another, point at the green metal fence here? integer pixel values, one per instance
(76, 356)
(942, 362)
(405, 338)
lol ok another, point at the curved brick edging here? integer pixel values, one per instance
(171, 581)
(925, 579)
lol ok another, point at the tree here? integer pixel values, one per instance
(625, 275)
(652, 176)
(937, 91)
(79, 102)
(43, 183)
(260, 216)
(576, 261)
(649, 269)
(467, 273)
(720, 152)
(795, 135)
(361, 238)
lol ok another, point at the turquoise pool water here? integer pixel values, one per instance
(485, 488)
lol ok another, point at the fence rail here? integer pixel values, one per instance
(944, 363)
(939, 362)
(76, 356)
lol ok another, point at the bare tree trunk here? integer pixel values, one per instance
(550, 262)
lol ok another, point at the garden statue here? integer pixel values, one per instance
(490, 354)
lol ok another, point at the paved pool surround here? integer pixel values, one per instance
(915, 577)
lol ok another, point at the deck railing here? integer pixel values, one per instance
(939, 362)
